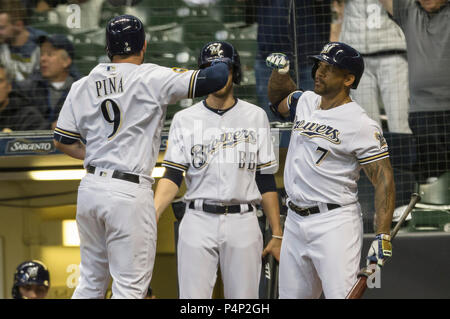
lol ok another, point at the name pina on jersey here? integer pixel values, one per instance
(109, 86)
(311, 129)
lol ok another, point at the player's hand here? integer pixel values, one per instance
(227, 61)
(273, 248)
(380, 250)
(278, 61)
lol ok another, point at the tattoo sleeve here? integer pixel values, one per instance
(381, 175)
(280, 86)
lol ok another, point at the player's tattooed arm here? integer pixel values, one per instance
(76, 150)
(381, 175)
(279, 87)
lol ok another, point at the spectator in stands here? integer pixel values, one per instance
(48, 88)
(19, 49)
(426, 25)
(15, 114)
(276, 33)
(368, 28)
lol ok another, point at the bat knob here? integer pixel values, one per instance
(365, 273)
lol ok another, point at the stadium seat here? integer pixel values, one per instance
(51, 28)
(88, 55)
(198, 31)
(161, 13)
(230, 12)
(171, 54)
(109, 11)
(437, 192)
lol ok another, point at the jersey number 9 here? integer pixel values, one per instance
(109, 106)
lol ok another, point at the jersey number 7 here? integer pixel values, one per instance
(322, 157)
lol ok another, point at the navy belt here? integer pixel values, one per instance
(118, 175)
(310, 210)
(218, 209)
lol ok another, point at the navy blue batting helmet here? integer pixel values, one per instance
(31, 272)
(342, 56)
(221, 49)
(125, 35)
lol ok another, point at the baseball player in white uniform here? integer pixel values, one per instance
(332, 139)
(118, 111)
(223, 145)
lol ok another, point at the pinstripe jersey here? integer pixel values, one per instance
(220, 153)
(327, 149)
(119, 110)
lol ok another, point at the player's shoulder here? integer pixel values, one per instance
(188, 112)
(79, 84)
(308, 95)
(251, 111)
(250, 107)
(359, 113)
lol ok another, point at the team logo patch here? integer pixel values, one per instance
(381, 139)
(328, 47)
(215, 49)
(179, 70)
(32, 272)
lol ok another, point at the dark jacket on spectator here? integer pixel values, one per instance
(38, 91)
(19, 116)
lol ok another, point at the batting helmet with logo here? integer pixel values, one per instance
(217, 50)
(125, 35)
(344, 57)
(31, 272)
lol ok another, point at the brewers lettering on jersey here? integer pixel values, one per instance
(332, 139)
(223, 145)
(118, 110)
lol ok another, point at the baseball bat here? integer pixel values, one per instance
(360, 286)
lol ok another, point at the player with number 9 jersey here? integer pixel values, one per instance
(112, 119)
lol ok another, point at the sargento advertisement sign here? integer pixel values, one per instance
(22, 146)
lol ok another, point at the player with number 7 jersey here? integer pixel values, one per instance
(112, 119)
(332, 139)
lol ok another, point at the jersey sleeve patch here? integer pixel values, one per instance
(373, 158)
(179, 70)
(174, 165)
(65, 137)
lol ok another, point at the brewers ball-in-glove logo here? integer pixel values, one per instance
(381, 139)
(32, 272)
(328, 47)
(215, 49)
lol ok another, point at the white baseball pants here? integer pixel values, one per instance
(117, 227)
(234, 240)
(320, 252)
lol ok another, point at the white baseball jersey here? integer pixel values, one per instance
(221, 153)
(326, 151)
(119, 110)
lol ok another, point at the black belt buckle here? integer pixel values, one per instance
(304, 211)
